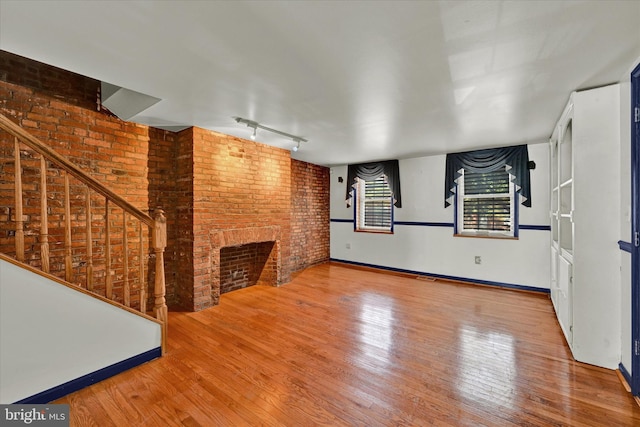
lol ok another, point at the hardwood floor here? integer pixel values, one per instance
(341, 346)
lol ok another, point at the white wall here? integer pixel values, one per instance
(50, 334)
(435, 250)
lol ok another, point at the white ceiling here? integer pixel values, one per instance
(361, 80)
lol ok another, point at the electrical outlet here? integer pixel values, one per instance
(478, 259)
(348, 245)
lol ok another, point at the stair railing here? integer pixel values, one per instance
(125, 220)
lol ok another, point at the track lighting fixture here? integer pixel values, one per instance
(255, 125)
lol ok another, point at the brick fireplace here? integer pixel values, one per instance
(244, 257)
(230, 192)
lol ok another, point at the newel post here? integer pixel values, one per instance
(159, 241)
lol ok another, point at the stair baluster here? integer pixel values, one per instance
(44, 217)
(143, 294)
(89, 239)
(68, 259)
(125, 261)
(107, 251)
(18, 217)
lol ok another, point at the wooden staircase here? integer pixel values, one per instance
(65, 223)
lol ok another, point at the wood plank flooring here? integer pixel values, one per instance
(340, 346)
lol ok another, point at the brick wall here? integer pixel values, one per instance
(60, 84)
(214, 188)
(309, 214)
(162, 170)
(182, 211)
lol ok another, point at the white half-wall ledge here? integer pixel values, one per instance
(51, 334)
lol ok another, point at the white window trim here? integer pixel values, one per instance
(360, 208)
(484, 233)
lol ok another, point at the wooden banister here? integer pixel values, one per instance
(112, 202)
(32, 142)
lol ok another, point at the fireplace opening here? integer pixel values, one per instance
(247, 265)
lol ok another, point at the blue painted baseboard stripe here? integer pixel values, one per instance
(624, 246)
(447, 224)
(425, 224)
(443, 276)
(92, 378)
(625, 373)
(534, 227)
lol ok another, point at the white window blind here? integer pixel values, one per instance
(486, 203)
(374, 208)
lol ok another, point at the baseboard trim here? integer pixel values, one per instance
(624, 377)
(91, 378)
(445, 224)
(446, 277)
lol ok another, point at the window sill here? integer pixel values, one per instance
(373, 231)
(486, 236)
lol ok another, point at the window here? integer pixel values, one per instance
(374, 207)
(486, 204)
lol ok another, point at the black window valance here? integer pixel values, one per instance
(490, 160)
(372, 171)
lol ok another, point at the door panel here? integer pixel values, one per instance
(554, 277)
(564, 298)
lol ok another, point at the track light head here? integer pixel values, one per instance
(253, 135)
